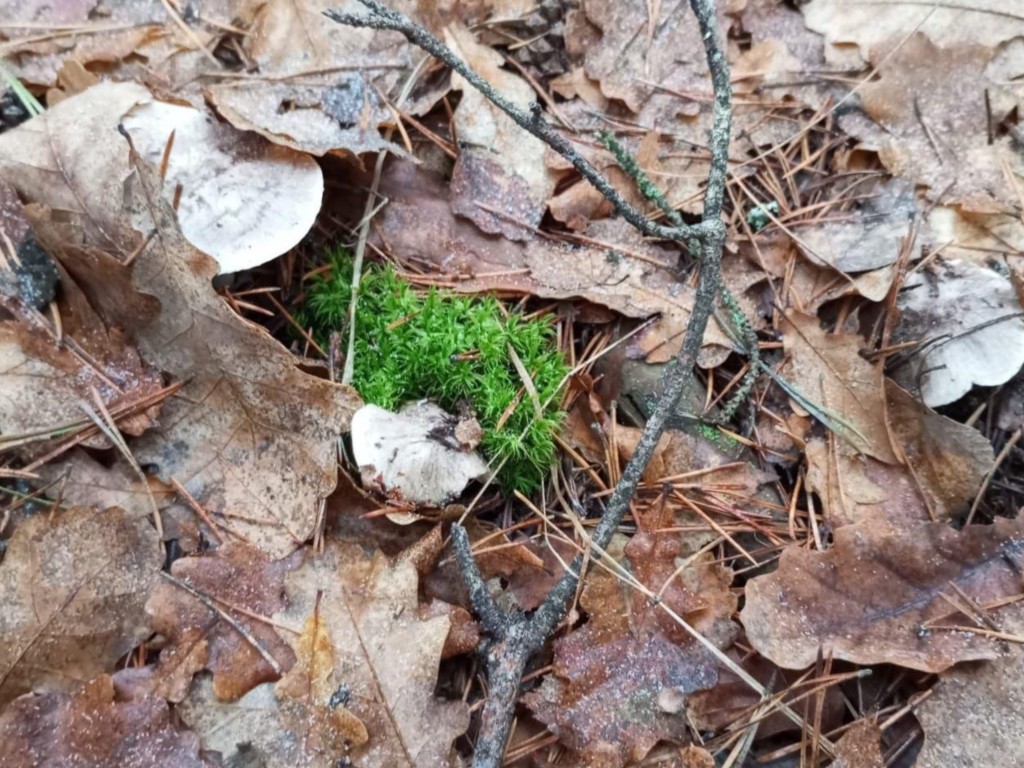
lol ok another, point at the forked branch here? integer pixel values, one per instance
(516, 637)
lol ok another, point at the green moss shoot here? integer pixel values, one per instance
(449, 348)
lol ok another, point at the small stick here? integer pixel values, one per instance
(235, 624)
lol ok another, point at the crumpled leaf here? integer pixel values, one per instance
(619, 270)
(945, 463)
(871, 597)
(638, 59)
(249, 434)
(242, 200)
(325, 119)
(306, 698)
(384, 669)
(421, 454)
(878, 28)
(49, 375)
(244, 579)
(932, 128)
(74, 587)
(827, 369)
(969, 320)
(621, 681)
(91, 729)
(870, 237)
(860, 747)
(500, 181)
(975, 714)
(280, 25)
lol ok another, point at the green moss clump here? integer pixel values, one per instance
(451, 349)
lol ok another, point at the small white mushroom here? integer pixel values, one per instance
(422, 454)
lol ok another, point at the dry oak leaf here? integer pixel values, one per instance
(621, 681)
(860, 747)
(500, 181)
(74, 587)
(975, 715)
(828, 370)
(871, 597)
(619, 270)
(92, 729)
(878, 28)
(49, 376)
(82, 481)
(945, 463)
(340, 118)
(249, 434)
(377, 658)
(969, 322)
(294, 37)
(239, 578)
(639, 58)
(930, 125)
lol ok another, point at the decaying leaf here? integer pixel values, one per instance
(306, 696)
(970, 325)
(91, 728)
(621, 681)
(74, 587)
(420, 454)
(877, 29)
(500, 181)
(975, 714)
(871, 235)
(618, 269)
(931, 123)
(336, 118)
(877, 596)
(51, 375)
(250, 434)
(948, 459)
(828, 370)
(241, 200)
(369, 653)
(944, 465)
(245, 583)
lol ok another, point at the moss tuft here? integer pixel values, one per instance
(451, 349)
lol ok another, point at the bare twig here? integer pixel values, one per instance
(382, 17)
(515, 636)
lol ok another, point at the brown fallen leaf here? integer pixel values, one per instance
(238, 578)
(860, 747)
(877, 30)
(874, 596)
(975, 715)
(621, 681)
(932, 127)
(82, 481)
(306, 697)
(249, 434)
(500, 181)
(381, 666)
(74, 587)
(618, 270)
(91, 729)
(341, 118)
(945, 465)
(828, 370)
(640, 59)
(949, 460)
(967, 320)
